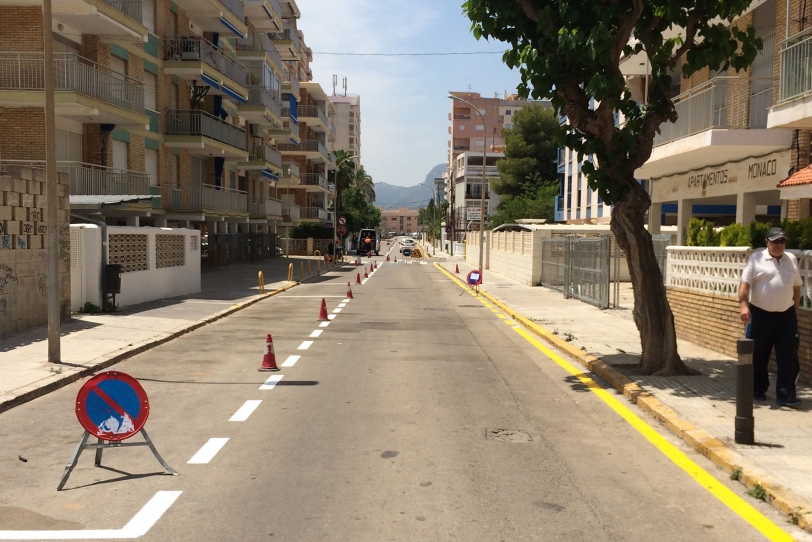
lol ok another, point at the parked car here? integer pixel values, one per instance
(408, 242)
(374, 245)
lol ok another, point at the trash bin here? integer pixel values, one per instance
(113, 271)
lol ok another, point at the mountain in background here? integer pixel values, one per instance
(389, 196)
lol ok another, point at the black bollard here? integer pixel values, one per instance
(744, 392)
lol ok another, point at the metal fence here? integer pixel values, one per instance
(130, 8)
(201, 123)
(796, 66)
(197, 49)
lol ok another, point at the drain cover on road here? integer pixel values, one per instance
(508, 435)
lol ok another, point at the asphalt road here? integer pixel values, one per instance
(416, 415)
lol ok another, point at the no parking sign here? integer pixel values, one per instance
(474, 278)
(112, 406)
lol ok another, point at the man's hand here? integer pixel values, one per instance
(744, 295)
(744, 313)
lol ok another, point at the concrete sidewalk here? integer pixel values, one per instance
(93, 342)
(699, 409)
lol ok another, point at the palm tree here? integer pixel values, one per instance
(345, 173)
(363, 182)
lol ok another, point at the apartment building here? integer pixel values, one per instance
(469, 129)
(401, 221)
(168, 113)
(348, 124)
(468, 189)
(737, 137)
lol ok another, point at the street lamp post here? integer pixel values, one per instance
(338, 200)
(482, 188)
(433, 216)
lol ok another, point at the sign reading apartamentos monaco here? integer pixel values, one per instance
(749, 175)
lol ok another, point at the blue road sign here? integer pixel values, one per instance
(407, 252)
(112, 406)
(474, 278)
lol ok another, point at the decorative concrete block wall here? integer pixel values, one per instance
(23, 258)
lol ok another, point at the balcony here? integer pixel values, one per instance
(112, 20)
(290, 174)
(794, 107)
(291, 212)
(310, 148)
(476, 171)
(193, 58)
(264, 14)
(258, 47)
(264, 107)
(462, 147)
(273, 207)
(719, 121)
(315, 118)
(225, 17)
(315, 180)
(205, 198)
(290, 84)
(93, 179)
(287, 42)
(315, 213)
(263, 158)
(204, 134)
(85, 90)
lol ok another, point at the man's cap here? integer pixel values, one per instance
(775, 234)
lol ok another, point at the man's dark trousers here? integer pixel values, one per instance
(778, 329)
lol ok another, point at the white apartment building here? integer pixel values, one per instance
(347, 121)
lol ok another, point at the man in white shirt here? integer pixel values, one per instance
(772, 283)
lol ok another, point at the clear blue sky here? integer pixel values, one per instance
(404, 104)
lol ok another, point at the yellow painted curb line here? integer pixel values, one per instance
(712, 448)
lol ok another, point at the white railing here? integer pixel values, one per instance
(289, 77)
(290, 169)
(258, 41)
(313, 111)
(796, 66)
(291, 211)
(224, 199)
(197, 49)
(130, 8)
(315, 213)
(473, 171)
(288, 33)
(273, 207)
(722, 102)
(314, 179)
(72, 73)
(200, 123)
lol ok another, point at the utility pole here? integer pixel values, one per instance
(52, 189)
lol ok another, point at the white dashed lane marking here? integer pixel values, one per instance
(272, 381)
(246, 410)
(305, 345)
(316, 333)
(290, 362)
(208, 451)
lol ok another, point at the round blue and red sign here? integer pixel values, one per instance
(112, 406)
(474, 278)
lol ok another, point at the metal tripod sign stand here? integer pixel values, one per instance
(111, 406)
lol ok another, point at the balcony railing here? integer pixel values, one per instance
(273, 207)
(259, 95)
(313, 111)
(307, 145)
(490, 171)
(200, 123)
(93, 179)
(290, 169)
(72, 73)
(291, 211)
(289, 77)
(236, 7)
(259, 41)
(796, 66)
(266, 153)
(314, 179)
(722, 102)
(315, 213)
(287, 33)
(224, 199)
(461, 116)
(130, 8)
(462, 147)
(197, 49)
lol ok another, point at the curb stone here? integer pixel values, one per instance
(720, 454)
(34, 390)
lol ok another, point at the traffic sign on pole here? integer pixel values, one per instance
(342, 229)
(342, 220)
(474, 278)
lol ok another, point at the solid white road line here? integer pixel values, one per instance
(305, 345)
(315, 334)
(242, 414)
(324, 324)
(208, 451)
(291, 361)
(336, 311)
(272, 381)
(137, 527)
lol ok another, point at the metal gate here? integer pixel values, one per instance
(578, 267)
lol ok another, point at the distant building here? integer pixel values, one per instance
(400, 221)
(347, 121)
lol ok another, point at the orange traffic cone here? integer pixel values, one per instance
(323, 311)
(358, 278)
(387, 257)
(269, 359)
(356, 262)
(365, 275)
(457, 271)
(349, 292)
(396, 259)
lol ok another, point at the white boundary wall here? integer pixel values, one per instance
(147, 284)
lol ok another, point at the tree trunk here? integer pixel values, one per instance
(652, 313)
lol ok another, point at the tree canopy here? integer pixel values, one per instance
(530, 153)
(358, 211)
(570, 52)
(539, 203)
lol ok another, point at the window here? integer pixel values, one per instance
(462, 127)
(176, 170)
(480, 128)
(120, 152)
(119, 67)
(173, 96)
(479, 143)
(507, 112)
(68, 146)
(148, 14)
(149, 91)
